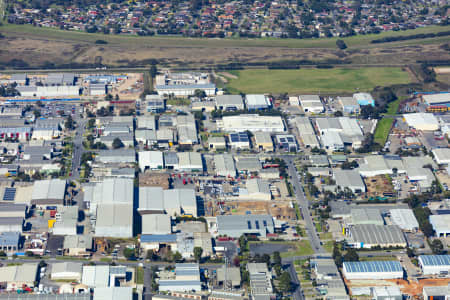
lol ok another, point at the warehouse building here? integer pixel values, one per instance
(422, 121)
(434, 264)
(11, 224)
(404, 218)
(248, 164)
(441, 155)
(256, 189)
(9, 241)
(48, 91)
(152, 160)
(364, 99)
(77, 245)
(366, 216)
(239, 141)
(171, 202)
(328, 279)
(349, 131)
(145, 136)
(155, 104)
(146, 122)
(237, 225)
(110, 203)
(224, 165)
(251, 123)
(19, 276)
(349, 105)
(387, 293)
(190, 162)
(436, 292)
(374, 165)
(286, 142)
(256, 102)
(66, 271)
(187, 279)
(113, 293)
(156, 224)
(217, 143)
(311, 104)
(260, 281)
(306, 132)
(102, 275)
(372, 270)
(369, 235)
(229, 102)
(349, 179)
(440, 99)
(116, 156)
(185, 90)
(187, 130)
(441, 225)
(48, 192)
(263, 141)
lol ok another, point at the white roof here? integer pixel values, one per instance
(257, 186)
(151, 159)
(252, 123)
(442, 155)
(436, 98)
(422, 121)
(224, 165)
(190, 160)
(257, 100)
(113, 293)
(66, 267)
(155, 198)
(146, 122)
(95, 276)
(404, 218)
(440, 222)
(113, 190)
(309, 98)
(49, 189)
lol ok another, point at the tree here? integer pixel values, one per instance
(437, 247)
(153, 71)
(338, 113)
(341, 44)
(198, 251)
(285, 284)
(337, 255)
(129, 253)
(351, 255)
(69, 123)
(177, 256)
(117, 143)
(199, 93)
(242, 243)
(276, 258)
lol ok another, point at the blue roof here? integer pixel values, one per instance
(373, 266)
(435, 260)
(158, 238)
(9, 194)
(9, 238)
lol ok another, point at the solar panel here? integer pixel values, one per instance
(373, 266)
(249, 224)
(9, 194)
(435, 260)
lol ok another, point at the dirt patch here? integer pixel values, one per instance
(442, 70)
(280, 210)
(154, 179)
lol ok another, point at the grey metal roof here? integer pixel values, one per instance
(224, 100)
(49, 189)
(9, 238)
(86, 296)
(377, 234)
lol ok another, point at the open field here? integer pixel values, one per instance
(336, 80)
(37, 46)
(303, 249)
(382, 131)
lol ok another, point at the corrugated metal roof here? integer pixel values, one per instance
(435, 260)
(49, 189)
(373, 266)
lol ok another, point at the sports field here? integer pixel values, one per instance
(336, 80)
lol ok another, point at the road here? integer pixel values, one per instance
(78, 149)
(303, 205)
(298, 293)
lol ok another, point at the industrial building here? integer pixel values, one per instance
(49, 91)
(349, 179)
(171, 202)
(237, 225)
(217, 143)
(366, 216)
(152, 160)
(441, 155)
(19, 276)
(48, 192)
(260, 280)
(251, 123)
(102, 275)
(255, 189)
(441, 225)
(229, 102)
(263, 141)
(349, 105)
(110, 204)
(256, 102)
(434, 264)
(189, 162)
(239, 141)
(185, 90)
(372, 270)
(328, 279)
(436, 292)
(78, 245)
(364, 99)
(422, 121)
(336, 133)
(116, 156)
(113, 293)
(440, 99)
(156, 224)
(155, 104)
(369, 235)
(224, 165)
(306, 131)
(374, 165)
(311, 104)
(286, 142)
(187, 278)
(66, 271)
(404, 218)
(187, 130)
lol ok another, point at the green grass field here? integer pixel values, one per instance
(382, 131)
(354, 41)
(303, 249)
(336, 80)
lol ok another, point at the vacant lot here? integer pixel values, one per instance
(36, 46)
(382, 131)
(337, 80)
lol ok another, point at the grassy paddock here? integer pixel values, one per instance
(158, 41)
(382, 131)
(336, 80)
(303, 249)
